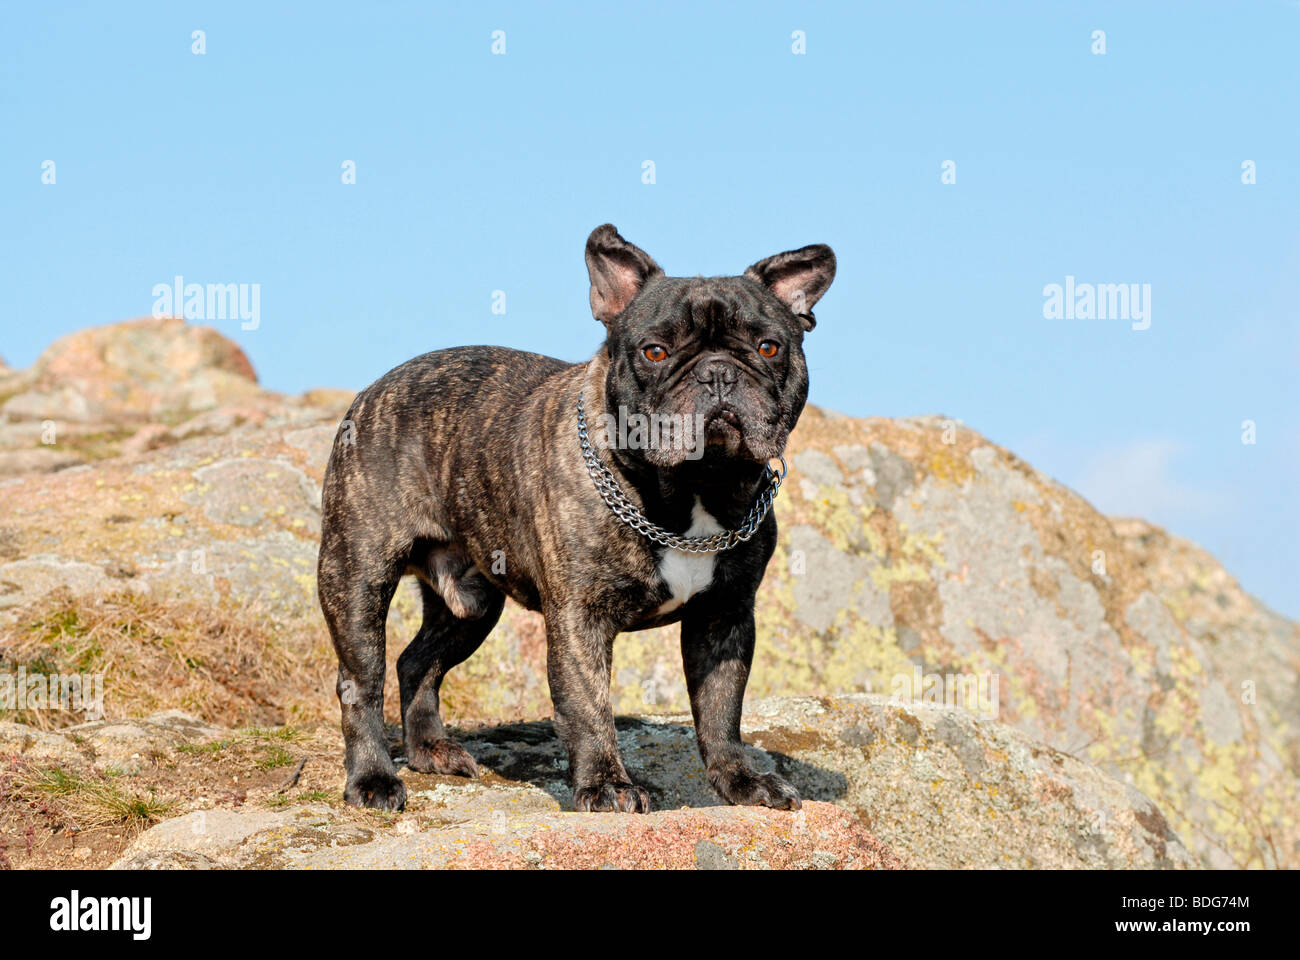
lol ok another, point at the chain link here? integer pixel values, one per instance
(623, 508)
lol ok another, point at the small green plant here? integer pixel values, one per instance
(274, 756)
(54, 781)
(133, 810)
(280, 800)
(287, 734)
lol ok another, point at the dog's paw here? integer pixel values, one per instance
(745, 788)
(442, 756)
(619, 796)
(379, 791)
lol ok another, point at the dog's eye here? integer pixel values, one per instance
(768, 348)
(655, 353)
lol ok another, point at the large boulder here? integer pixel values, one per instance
(153, 368)
(885, 785)
(128, 388)
(908, 547)
(457, 829)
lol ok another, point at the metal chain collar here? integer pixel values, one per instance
(617, 501)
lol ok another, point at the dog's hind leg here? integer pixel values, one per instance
(443, 641)
(354, 596)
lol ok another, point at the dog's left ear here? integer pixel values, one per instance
(618, 270)
(798, 278)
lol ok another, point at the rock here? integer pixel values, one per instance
(946, 787)
(128, 388)
(120, 746)
(211, 834)
(169, 860)
(36, 460)
(219, 421)
(522, 837)
(47, 446)
(1250, 649)
(201, 520)
(33, 744)
(147, 438)
(886, 785)
(126, 746)
(24, 581)
(910, 544)
(940, 786)
(143, 369)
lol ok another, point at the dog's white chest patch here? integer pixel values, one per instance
(686, 574)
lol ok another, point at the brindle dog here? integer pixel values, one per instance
(464, 468)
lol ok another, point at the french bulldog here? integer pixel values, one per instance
(627, 492)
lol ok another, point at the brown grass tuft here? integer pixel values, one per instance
(85, 801)
(232, 667)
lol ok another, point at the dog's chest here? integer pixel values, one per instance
(686, 574)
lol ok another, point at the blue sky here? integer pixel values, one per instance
(478, 172)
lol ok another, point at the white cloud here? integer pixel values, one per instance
(1139, 480)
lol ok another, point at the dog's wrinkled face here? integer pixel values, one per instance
(704, 367)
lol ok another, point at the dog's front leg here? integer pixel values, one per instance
(578, 651)
(717, 649)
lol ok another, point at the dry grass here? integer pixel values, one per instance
(232, 667)
(90, 801)
(70, 813)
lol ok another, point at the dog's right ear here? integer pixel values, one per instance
(618, 270)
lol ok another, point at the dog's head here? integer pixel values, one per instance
(704, 367)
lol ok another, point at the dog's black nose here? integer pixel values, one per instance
(718, 374)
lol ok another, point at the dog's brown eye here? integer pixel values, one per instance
(768, 348)
(655, 353)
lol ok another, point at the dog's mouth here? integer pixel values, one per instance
(722, 421)
(723, 429)
(722, 432)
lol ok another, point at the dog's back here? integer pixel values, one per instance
(374, 467)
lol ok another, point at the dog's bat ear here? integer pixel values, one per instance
(618, 270)
(798, 278)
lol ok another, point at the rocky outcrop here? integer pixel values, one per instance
(503, 828)
(131, 387)
(152, 369)
(886, 786)
(907, 546)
